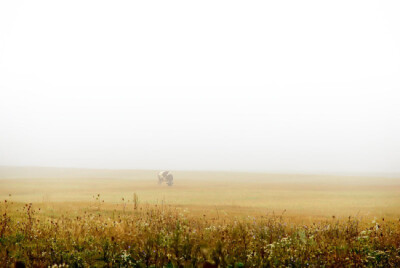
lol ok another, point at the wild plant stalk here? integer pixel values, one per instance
(135, 201)
(4, 220)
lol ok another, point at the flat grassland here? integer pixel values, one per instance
(123, 218)
(306, 196)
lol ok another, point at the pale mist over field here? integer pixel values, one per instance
(282, 86)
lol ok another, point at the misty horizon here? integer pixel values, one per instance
(15, 171)
(266, 87)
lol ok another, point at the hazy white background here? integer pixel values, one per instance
(279, 86)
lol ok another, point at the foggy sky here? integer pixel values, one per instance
(278, 86)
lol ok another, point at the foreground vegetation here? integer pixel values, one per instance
(136, 235)
(213, 219)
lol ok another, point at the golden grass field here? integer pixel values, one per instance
(124, 218)
(306, 196)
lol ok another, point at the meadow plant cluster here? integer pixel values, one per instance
(168, 236)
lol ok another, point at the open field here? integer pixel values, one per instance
(303, 195)
(123, 218)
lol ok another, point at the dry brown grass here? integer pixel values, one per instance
(103, 218)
